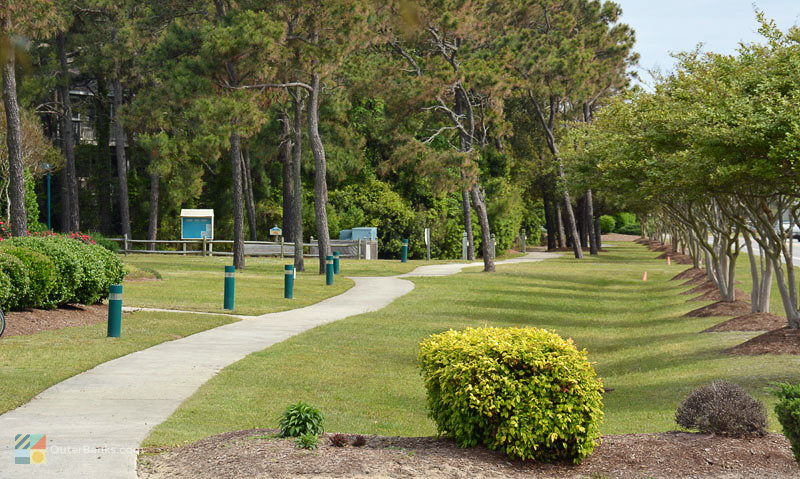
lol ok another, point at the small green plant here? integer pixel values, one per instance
(523, 391)
(307, 441)
(299, 419)
(788, 411)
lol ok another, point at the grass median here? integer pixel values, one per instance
(362, 371)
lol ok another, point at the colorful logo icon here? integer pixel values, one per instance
(30, 448)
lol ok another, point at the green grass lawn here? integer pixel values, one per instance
(362, 371)
(30, 364)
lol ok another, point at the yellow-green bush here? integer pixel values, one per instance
(523, 391)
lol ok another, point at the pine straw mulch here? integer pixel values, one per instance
(750, 322)
(715, 295)
(257, 454)
(777, 341)
(619, 237)
(31, 321)
(690, 273)
(720, 308)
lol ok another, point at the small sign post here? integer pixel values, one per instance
(275, 231)
(428, 244)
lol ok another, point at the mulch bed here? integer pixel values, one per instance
(701, 288)
(696, 280)
(721, 308)
(715, 295)
(778, 341)
(690, 273)
(256, 454)
(750, 322)
(619, 237)
(32, 321)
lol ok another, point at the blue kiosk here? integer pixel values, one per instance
(197, 225)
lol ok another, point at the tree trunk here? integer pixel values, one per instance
(580, 218)
(320, 172)
(467, 214)
(591, 223)
(238, 200)
(16, 180)
(598, 233)
(247, 177)
(570, 217)
(152, 226)
(70, 193)
(288, 173)
(562, 237)
(549, 219)
(122, 164)
(297, 189)
(479, 201)
(104, 178)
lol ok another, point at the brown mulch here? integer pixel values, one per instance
(682, 259)
(664, 247)
(696, 280)
(619, 237)
(750, 322)
(690, 273)
(715, 295)
(721, 308)
(701, 288)
(778, 341)
(32, 321)
(569, 249)
(257, 454)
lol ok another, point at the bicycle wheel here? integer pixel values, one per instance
(2, 323)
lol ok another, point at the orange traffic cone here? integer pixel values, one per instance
(644, 276)
(669, 261)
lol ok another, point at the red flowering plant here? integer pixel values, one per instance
(5, 233)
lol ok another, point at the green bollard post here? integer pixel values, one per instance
(288, 281)
(115, 311)
(230, 278)
(335, 262)
(329, 270)
(404, 252)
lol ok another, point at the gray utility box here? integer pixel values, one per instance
(355, 234)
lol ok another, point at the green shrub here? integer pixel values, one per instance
(5, 291)
(69, 274)
(41, 275)
(523, 391)
(788, 411)
(20, 282)
(307, 441)
(632, 229)
(624, 219)
(299, 419)
(607, 224)
(106, 243)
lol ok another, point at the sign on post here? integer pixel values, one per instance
(428, 244)
(197, 224)
(275, 231)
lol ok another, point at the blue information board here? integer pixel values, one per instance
(197, 228)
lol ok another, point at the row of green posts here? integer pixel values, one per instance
(331, 269)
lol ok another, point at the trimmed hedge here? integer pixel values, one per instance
(78, 272)
(788, 411)
(20, 283)
(5, 290)
(41, 275)
(523, 391)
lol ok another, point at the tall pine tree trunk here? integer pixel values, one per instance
(152, 225)
(591, 223)
(549, 218)
(16, 180)
(122, 164)
(562, 237)
(297, 189)
(250, 203)
(238, 200)
(70, 192)
(466, 212)
(479, 200)
(320, 172)
(285, 153)
(103, 175)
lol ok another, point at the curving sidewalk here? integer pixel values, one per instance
(95, 420)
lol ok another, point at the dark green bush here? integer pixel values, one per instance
(624, 219)
(722, 408)
(299, 419)
(632, 229)
(106, 243)
(41, 275)
(523, 391)
(20, 283)
(69, 274)
(5, 291)
(607, 224)
(788, 411)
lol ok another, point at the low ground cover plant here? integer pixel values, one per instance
(300, 419)
(788, 411)
(523, 391)
(722, 408)
(52, 270)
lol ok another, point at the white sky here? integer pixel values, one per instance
(664, 26)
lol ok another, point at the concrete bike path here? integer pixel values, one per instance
(95, 420)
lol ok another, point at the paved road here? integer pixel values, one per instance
(795, 244)
(95, 420)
